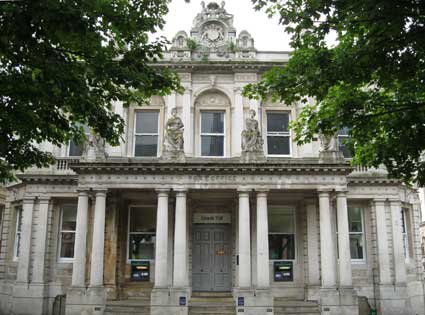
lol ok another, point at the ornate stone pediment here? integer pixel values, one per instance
(212, 98)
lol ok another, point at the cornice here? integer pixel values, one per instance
(218, 66)
(207, 167)
(48, 179)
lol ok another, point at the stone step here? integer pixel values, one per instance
(212, 294)
(128, 307)
(224, 302)
(284, 306)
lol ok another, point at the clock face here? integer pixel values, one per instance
(212, 35)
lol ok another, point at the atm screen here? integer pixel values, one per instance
(140, 270)
(283, 271)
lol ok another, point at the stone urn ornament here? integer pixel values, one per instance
(252, 141)
(173, 146)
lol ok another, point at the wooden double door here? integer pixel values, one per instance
(211, 257)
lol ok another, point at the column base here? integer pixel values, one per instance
(342, 301)
(392, 300)
(313, 293)
(30, 298)
(253, 301)
(89, 301)
(170, 301)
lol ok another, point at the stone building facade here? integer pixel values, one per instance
(210, 204)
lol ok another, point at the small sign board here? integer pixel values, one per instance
(182, 301)
(241, 301)
(140, 270)
(212, 218)
(283, 271)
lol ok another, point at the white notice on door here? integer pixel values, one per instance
(212, 218)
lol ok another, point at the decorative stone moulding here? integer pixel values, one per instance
(329, 150)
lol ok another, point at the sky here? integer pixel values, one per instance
(267, 34)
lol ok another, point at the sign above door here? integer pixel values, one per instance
(212, 218)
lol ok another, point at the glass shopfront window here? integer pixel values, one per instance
(281, 234)
(141, 233)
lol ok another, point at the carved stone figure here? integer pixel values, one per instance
(329, 149)
(173, 140)
(251, 136)
(328, 142)
(94, 148)
(174, 133)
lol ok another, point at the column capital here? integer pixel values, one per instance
(162, 192)
(379, 200)
(100, 192)
(244, 190)
(324, 189)
(341, 193)
(262, 190)
(28, 199)
(82, 192)
(395, 201)
(180, 189)
(44, 199)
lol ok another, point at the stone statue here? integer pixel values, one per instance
(94, 148)
(329, 151)
(251, 136)
(173, 139)
(328, 142)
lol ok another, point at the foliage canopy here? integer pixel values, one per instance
(370, 79)
(64, 63)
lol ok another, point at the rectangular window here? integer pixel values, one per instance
(76, 149)
(146, 133)
(212, 133)
(67, 232)
(141, 233)
(281, 234)
(404, 228)
(17, 233)
(356, 231)
(278, 136)
(342, 137)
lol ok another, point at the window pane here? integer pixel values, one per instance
(277, 122)
(19, 218)
(146, 146)
(142, 220)
(69, 218)
(281, 246)
(403, 221)
(142, 246)
(356, 246)
(346, 151)
(278, 145)
(212, 122)
(67, 245)
(212, 145)
(18, 243)
(281, 221)
(355, 219)
(147, 122)
(75, 149)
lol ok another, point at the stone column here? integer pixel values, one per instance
(25, 242)
(313, 244)
(327, 246)
(399, 259)
(244, 240)
(237, 122)
(41, 241)
(180, 242)
(96, 272)
(382, 242)
(263, 274)
(79, 264)
(161, 246)
(345, 276)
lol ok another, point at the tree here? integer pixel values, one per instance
(370, 79)
(63, 63)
